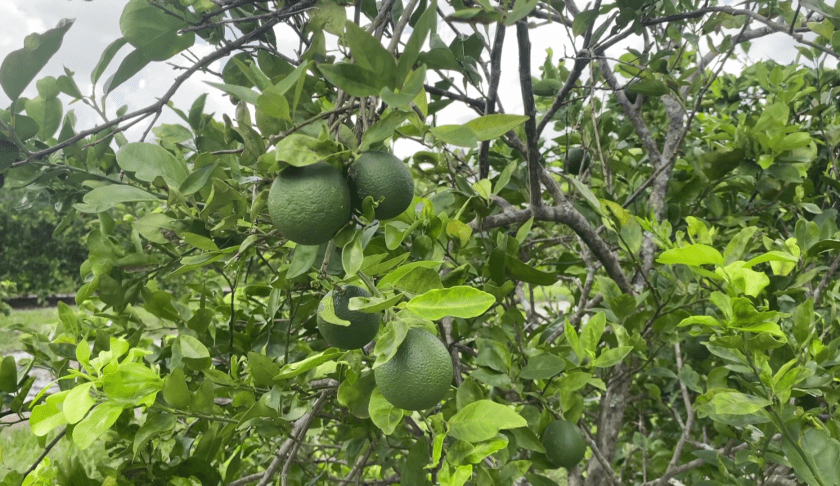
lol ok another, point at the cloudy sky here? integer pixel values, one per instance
(97, 25)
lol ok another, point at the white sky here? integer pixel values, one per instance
(97, 25)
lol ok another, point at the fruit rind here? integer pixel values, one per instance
(419, 374)
(564, 444)
(309, 204)
(577, 160)
(363, 327)
(382, 176)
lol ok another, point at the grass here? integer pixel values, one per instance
(36, 319)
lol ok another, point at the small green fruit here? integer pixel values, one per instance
(564, 444)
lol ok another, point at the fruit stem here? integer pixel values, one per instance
(369, 284)
(322, 272)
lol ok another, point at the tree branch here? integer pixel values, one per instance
(581, 62)
(279, 15)
(474, 103)
(532, 136)
(492, 95)
(298, 431)
(568, 215)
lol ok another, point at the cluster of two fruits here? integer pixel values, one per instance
(309, 205)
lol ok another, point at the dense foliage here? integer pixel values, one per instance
(41, 256)
(673, 294)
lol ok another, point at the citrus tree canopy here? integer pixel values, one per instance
(536, 242)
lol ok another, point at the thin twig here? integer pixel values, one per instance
(44, 454)
(824, 282)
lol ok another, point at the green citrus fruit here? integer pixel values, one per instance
(309, 204)
(419, 374)
(383, 177)
(363, 327)
(564, 444)
(577, 160)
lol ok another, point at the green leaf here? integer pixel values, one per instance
(483, 188)
(353, 79)
(542, 367)
(329, 16)
(47, 113)
(611, 357)
(520, 10)
(156, 424)
(8, 375)
(293, 369)
(592, 332)
(245, 94)
(461, 301)
(583, 21)
(131, 64)
(412, 91)
(694, 255)
(504, 178)
(353, 255)
(106, 197)
(175, 390)
(482, 420)
(301, 150)
(737, 403)
(415, 42)
(47, 416)
(197, 179)
(527, 439)
(274, 104)
(772, 256)
(356, 396)
(95, 424)
(822, 452)
(457, 135)
(738, 244)
(389, 342)
(491, 127)
(574, 340)
(824, 245)
(584, 191)
(153, 31)
(133, 382)
(20, 67)
(518, 270)
(648, 87)
(194, 353)
(459, 230)
(373, 305)
(369, 53)
(383, 129)
(303, 258)
(392, 278)
(78, 402)
(383, 414)
(149, 161)
(106, 58)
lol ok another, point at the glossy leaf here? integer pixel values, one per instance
(482, 420)
(461, 301)
(149, 161)
(20, 67)
(153, 31)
